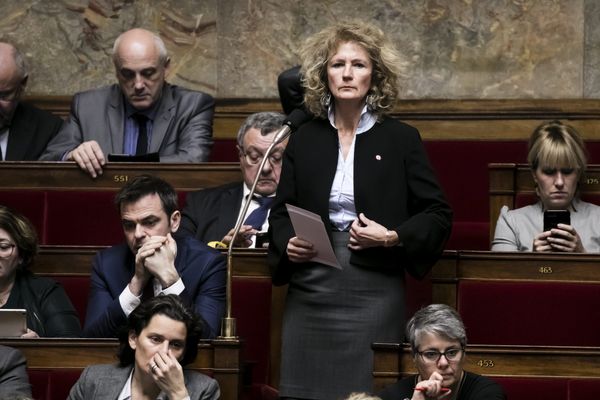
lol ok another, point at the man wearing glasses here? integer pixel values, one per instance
(211, 214)
(24, 129)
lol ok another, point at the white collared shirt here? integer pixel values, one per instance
(130, 301)
(253, 206)
(342, 211)
(4, 141)
(126, 392)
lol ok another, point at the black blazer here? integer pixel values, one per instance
(210, 213)
(30, 131)
(394, 185)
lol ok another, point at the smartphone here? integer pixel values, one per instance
(262, 240)
(554, 217)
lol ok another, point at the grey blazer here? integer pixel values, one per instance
(13, 373)
(105, 382)
(182, 130)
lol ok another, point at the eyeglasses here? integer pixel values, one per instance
(6, 249)
(10, 95)
(255, 158)
(433, 356)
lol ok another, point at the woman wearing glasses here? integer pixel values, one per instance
(437, 338)
(49, 310)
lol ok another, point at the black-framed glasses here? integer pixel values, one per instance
(433, 356)
(7, 249)
(256, 158)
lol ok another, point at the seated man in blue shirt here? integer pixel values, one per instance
(152, 262)
(141, 114)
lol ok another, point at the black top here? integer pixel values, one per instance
(473, 387)
(49, 310)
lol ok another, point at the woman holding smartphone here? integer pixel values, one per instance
(557, 157)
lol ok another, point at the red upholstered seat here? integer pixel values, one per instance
(251, 306)
(78, 289)
(82, 218)
(584, 389)
(30, 203)
(53, 384)
(530, 313)
(534, 388)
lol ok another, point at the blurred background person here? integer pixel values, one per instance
(25, 130)
(211, 214)
(161, 337)
(368, 177)
(49, 310)
(437, 338)
(558, 160)
(14, 381)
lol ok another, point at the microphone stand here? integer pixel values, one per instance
(228, 323)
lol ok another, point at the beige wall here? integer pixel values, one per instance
(452, 49)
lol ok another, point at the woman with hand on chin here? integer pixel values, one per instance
(437, 338)
(160, 338)
(557, 157)
(368, 177)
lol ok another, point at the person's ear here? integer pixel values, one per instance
(175, 220)
(132, 338)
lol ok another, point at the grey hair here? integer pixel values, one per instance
(158, 43)
(437, 319)
(266, 122)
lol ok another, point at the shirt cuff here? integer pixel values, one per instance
(128, 300)
(175, 288)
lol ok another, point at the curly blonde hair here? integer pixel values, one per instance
(318, 49)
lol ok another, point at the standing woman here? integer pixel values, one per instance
(368, 177)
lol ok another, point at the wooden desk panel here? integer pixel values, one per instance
(502, 266)
(77, 260)
(67, 176)
(393, 361)
(219, 358)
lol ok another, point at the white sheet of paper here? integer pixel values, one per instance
(310, 227)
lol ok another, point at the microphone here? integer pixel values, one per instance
(291, 124)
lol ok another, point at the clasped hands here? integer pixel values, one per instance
(364, 233)
(563, 238)
(155, 258)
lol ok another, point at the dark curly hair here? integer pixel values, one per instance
(170, 306)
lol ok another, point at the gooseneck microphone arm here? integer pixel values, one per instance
(292, 122)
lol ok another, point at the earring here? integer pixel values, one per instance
(371, 102)
(326, 100)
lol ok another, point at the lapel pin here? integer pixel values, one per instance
(378, 157)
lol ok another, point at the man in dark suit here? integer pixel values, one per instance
(152, 262)
(13, 373)
(142, 114)
(24, 129)
(211, 214)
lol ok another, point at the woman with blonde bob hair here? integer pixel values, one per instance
(368, 178)
(558, 159)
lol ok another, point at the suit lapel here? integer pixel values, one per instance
(162, 121)
(109, 387)
(20, 134)
(116, 121)
(231, 203)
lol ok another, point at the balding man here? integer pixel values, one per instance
(24, 129)
(141, 114)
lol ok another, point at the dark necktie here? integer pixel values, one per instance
(142, 142)
(1, 157)
(257, 217)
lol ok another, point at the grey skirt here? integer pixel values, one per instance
(331, 318)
